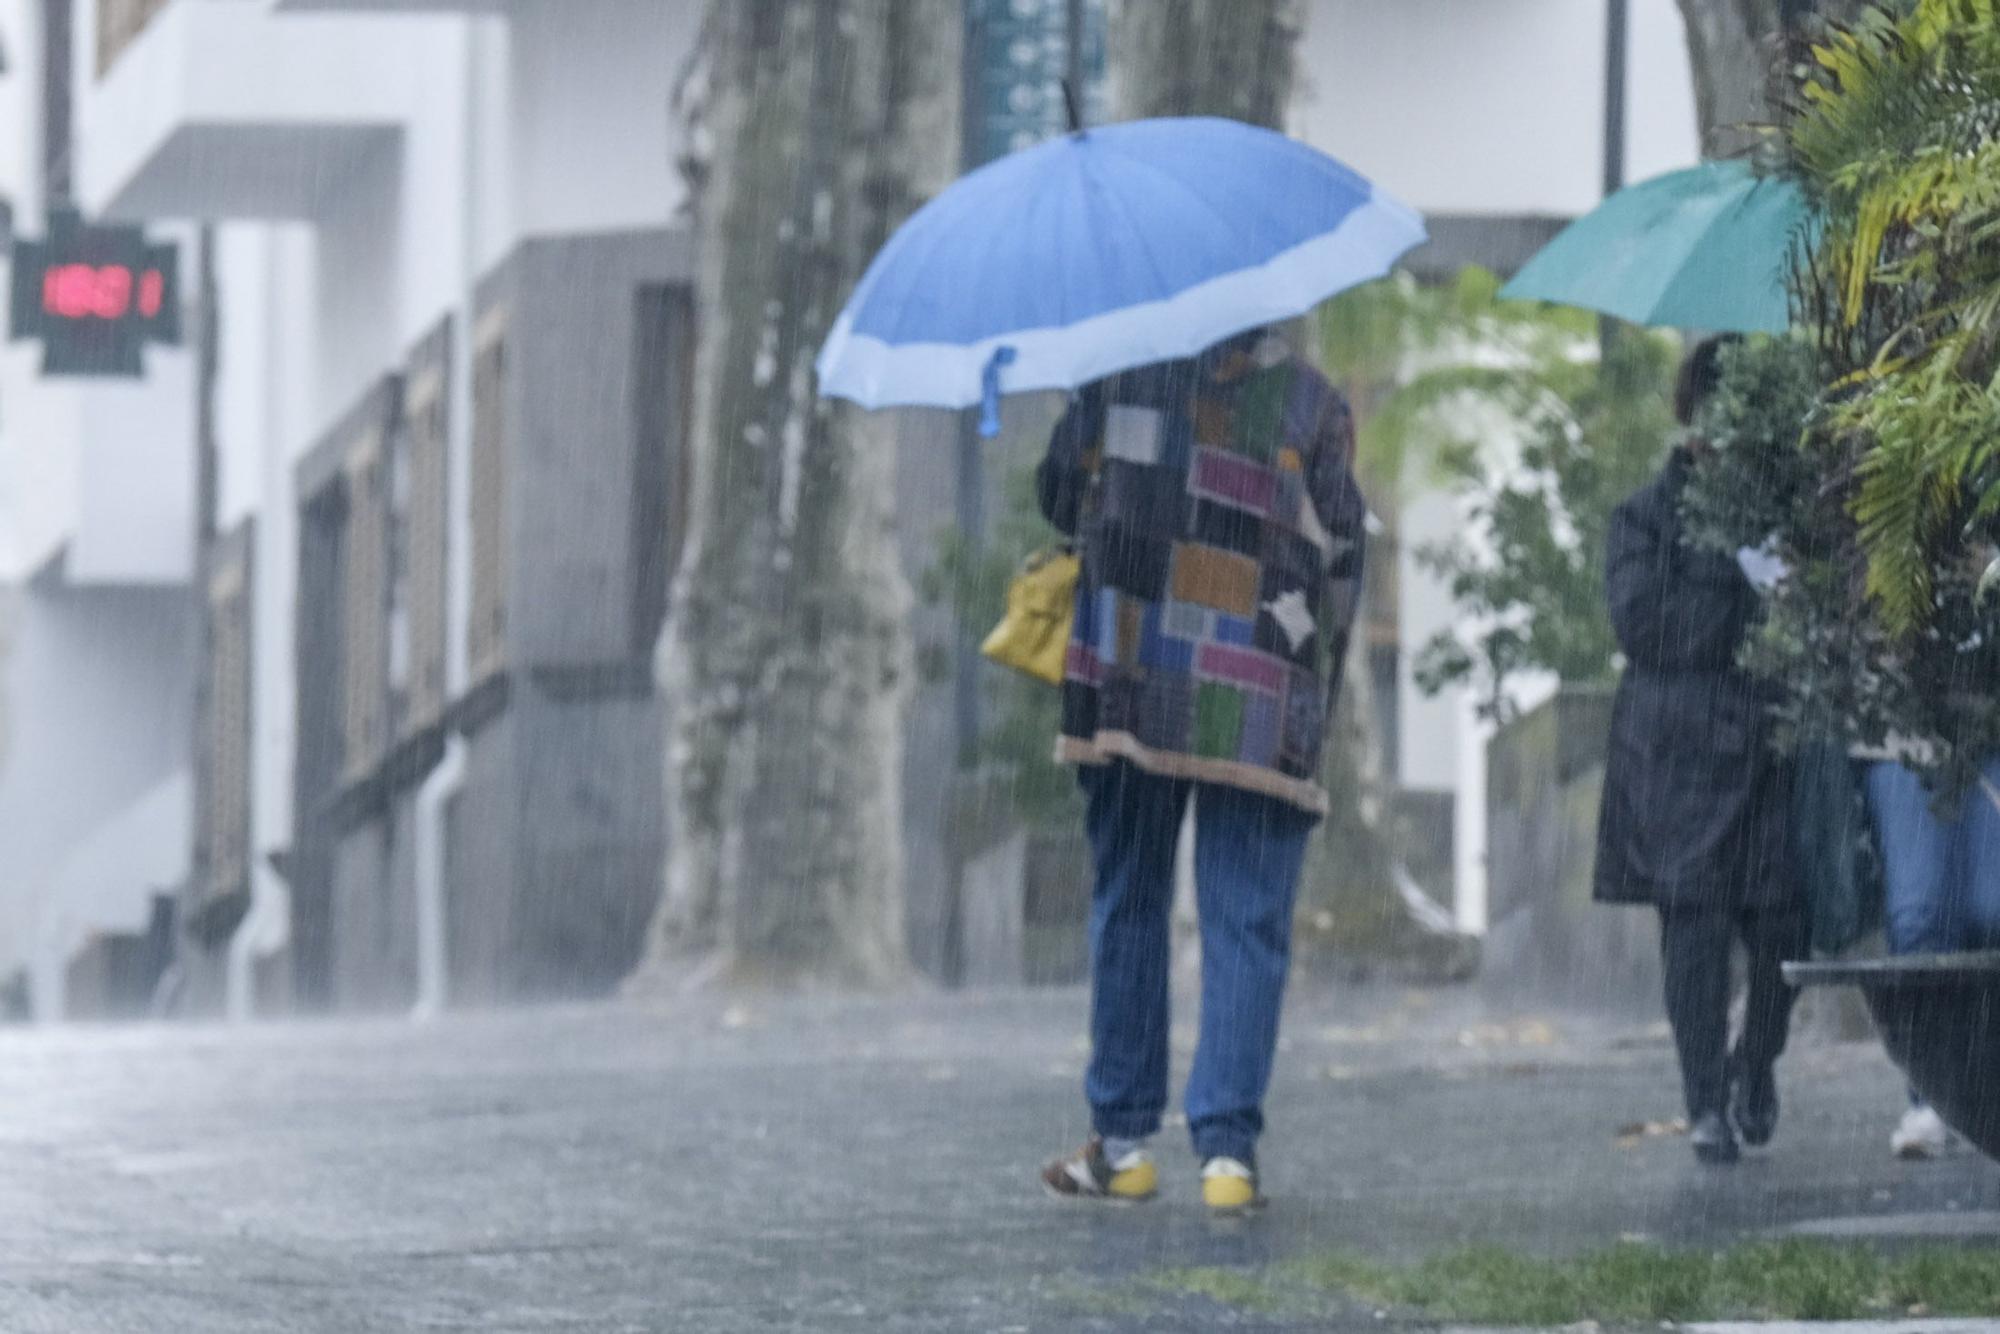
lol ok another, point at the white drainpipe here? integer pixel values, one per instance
(266, 929)
(444, 783)
(433, 798)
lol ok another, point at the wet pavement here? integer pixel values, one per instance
(849, 1164)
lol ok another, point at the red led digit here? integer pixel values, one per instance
(114, 292)
(80, 291)
(70, 290)
(152, 292)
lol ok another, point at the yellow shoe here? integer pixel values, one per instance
(1088, 1174)
(1229, 1186)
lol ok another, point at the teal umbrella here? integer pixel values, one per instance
(1706, 248)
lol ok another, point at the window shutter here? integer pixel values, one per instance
(486, 646)
(426, 437)
(365, 618)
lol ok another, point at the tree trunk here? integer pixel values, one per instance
(1237, 58)
(1736, 51)
(816, 127)
(1204, 58)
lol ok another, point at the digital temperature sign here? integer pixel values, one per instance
(94, 296)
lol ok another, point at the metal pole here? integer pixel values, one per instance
(1617, 25)
(971, 480)
(1616, 42)
(1073, 55)
(971, 516)
(58, 72)
(970, 497)
(207, 482)
(208, 367)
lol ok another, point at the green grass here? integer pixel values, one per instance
(1244, 1289)
(1785, 1280)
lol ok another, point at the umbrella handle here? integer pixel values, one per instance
(989, 391)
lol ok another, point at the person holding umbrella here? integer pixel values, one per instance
(1205, 473)
(1695, 802)
(1221, 534)
(1695, 799)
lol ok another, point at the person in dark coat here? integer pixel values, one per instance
(1695, 798)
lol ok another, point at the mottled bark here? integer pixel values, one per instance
(815, 127)
(1737, 53)
(1204, 58)
(1237, 58)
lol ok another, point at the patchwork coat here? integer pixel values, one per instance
(1221, 535)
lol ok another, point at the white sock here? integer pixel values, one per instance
(1117, 1150)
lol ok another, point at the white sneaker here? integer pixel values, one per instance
(1922, 1134)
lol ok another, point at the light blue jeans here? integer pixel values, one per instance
(1248, 853)
(1941, 877)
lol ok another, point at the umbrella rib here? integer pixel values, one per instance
(986, 182)
(1721, 218)
(913, 269)
(911, 272)
(1183, 189)
(1142, 246)
(1207, 205)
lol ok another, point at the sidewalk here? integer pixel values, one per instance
(840, 1164)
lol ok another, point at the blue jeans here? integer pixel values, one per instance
(1941, 877)
(1248, 852)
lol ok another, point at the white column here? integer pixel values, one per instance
(251, 358)
(434, 798)
(1468, 825)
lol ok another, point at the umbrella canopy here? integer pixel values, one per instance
(1102, 250)
(1704, 248)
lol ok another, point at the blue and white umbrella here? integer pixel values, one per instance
(1101, 250)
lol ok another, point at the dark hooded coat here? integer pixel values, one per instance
(1695, 798)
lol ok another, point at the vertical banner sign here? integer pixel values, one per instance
(1022, 54)
(94, 296)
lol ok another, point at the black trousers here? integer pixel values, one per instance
(1695, 947)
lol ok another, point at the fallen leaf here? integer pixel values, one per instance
(1636, 1132)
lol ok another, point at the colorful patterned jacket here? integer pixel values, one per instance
(1221, 535)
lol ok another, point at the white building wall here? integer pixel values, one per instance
(20, 108)
(96, 680)
(360, 255)
(38, 430)
(563, 117)
(1428, 726)
(572, 133)
(243, 392)
(136, 485)
(39, 461)
(36, 485)
(104, 467)
(99, 694)
(1490, 106)
(596, 140)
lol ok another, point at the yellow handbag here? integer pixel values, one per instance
(1033, 637)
